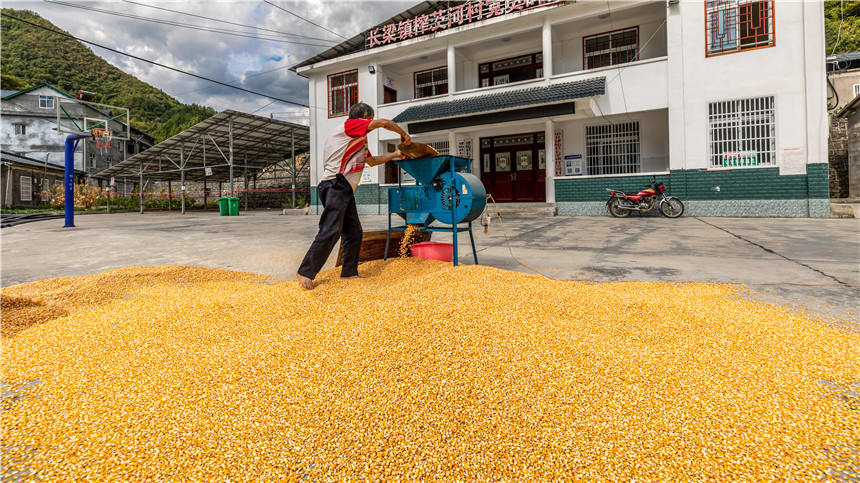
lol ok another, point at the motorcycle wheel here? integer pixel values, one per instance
(616, 210)
(671, 207)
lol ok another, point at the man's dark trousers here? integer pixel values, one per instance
(339, 219)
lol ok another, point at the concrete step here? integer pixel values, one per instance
(523, 210)
(845, 208)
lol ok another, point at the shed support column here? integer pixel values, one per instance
(182, 173)
(293, 163)
(205, 193)
(452, 69)
(141, 187)
(245, 158)
(169, 195)
(547, 48)
(230, 131)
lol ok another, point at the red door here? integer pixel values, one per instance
(513, 168)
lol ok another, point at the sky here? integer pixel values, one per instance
(259, 65)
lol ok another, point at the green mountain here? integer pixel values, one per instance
(32, 56)
(842, 26)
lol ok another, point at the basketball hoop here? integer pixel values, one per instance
(103, 137)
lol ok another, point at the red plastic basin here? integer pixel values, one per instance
(433, 251)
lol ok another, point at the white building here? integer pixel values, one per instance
(724, 101)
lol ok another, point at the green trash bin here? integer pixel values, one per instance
(229, 206)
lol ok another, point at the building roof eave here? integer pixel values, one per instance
(500, 101)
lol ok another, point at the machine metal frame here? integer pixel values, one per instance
(454, 229)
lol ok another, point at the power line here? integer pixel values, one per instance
(306, 20)
(248, 77)
(64, 34)
(227, 22)
(188, 26)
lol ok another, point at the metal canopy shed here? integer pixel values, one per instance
(230, 144)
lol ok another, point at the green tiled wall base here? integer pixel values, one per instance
(735, 208)
(758, 192)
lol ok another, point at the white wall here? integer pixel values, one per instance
(792, 71)
(653, 135)
(567, 37)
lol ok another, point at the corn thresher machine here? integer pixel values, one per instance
(446, 191)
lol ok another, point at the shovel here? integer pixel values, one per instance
(417, 150)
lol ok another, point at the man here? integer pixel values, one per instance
(344, 157)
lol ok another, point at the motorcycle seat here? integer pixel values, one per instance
(632, 196)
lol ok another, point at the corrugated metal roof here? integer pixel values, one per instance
(17, 158)
(849, 108)
(844, 57)
(5, 93)
(49, 86)
(505, 100)
(258, 141)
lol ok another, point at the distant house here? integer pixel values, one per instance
(843, 74)
(851, 114)
(29, 128)
(27, 182)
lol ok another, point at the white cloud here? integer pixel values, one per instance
(231, 59)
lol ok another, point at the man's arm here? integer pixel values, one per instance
(391, 126)
(377, 160)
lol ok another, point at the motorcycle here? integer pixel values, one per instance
(621, 203)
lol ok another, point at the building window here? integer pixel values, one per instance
(514, 69)
(26, 188)
(46, 102)
(736, 25)
(612, 48)
(612, 148)
(342, 92)
(742, 133)
(20, 129)
(431, 82)
(92, 160)
(856, 90)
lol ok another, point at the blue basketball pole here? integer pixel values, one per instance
(69, 177)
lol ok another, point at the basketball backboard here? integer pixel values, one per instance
(75, 116)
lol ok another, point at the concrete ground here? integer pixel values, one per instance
(808, 263)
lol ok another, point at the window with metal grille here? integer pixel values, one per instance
(46, 102)
(611, 48)
(856, 90)
(736, 25)
(432, 82)
(20, 129)
(342, 92)
(514, 69)
(26, 188)
(612, 148)
(742, 133)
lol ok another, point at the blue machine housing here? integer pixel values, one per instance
(447, 191)
(445, 195)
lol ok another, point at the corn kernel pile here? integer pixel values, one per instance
(419, 371)
(407, 238)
